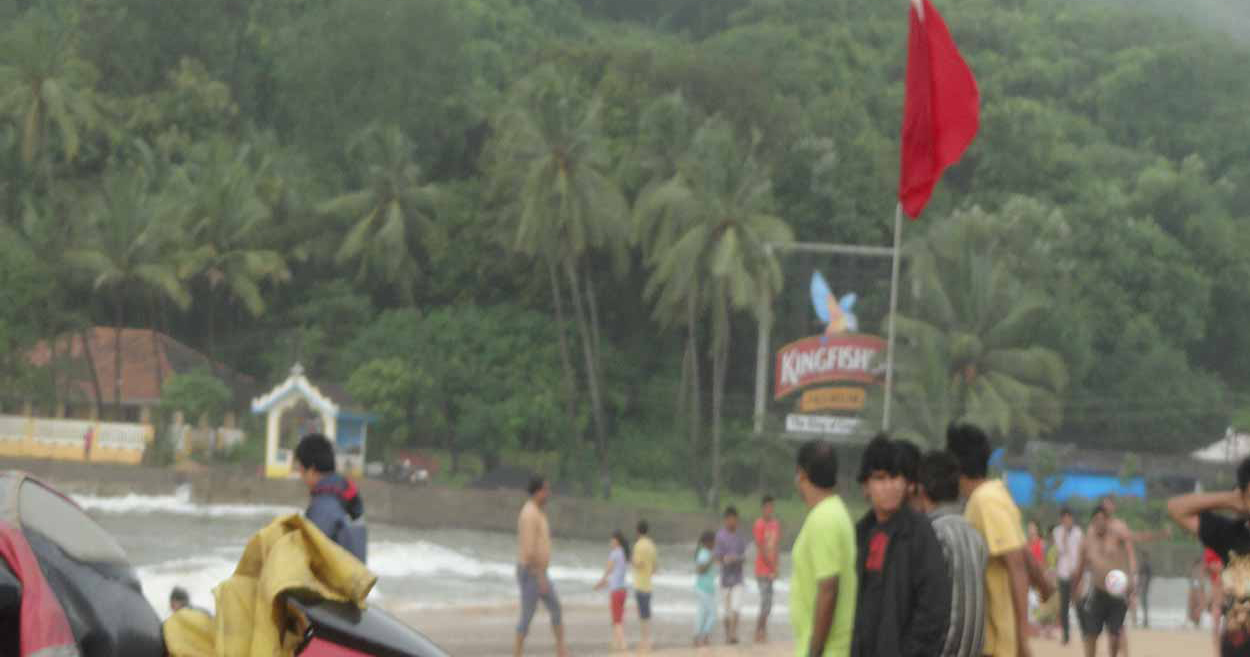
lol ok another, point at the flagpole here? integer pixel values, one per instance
(889, 349)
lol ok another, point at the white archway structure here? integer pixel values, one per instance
(277, 402)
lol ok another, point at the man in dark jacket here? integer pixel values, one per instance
(904, 599)
(335, 508)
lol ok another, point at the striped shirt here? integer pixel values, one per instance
(966, 557)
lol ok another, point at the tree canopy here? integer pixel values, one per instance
(569, 202)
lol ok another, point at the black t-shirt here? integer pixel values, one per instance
(1229, 537)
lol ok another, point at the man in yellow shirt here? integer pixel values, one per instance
(992, 512)
(645, 564)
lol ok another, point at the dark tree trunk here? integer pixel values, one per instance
(720, 371)
(91, 370)
(695, 409)
(566, 358)
(592, 372)
(117, 359)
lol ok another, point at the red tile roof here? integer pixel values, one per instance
(148, 357)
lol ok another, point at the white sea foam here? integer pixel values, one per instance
(179, 504)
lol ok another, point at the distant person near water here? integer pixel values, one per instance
(645, 561)
(730, 553)
(533, 559)
(705, 589)
(1102, 608)
(179, 600)
(824, 582)
(991, 511)
(903, 604)
(618, 591)
(767, 533)
(1220, 522)
(1067, 537)
(336, 507)
(963, 550)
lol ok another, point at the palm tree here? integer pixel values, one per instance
(392, 212)
(665, 131)
(223, 216)
(968, 350)
(44, 84)
(129, 233)
(551, 166)
(711, 226)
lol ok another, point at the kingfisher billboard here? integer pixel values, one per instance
(840, 355)
(822, 359)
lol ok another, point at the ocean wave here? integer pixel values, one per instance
(177, 504)
(392, 559)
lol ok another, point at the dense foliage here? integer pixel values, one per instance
(538, 224)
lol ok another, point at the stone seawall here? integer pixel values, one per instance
(408, 506)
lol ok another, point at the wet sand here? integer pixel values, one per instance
(488, 632)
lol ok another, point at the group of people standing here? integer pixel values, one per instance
(720, 559)
(938, 565)
(727, 549)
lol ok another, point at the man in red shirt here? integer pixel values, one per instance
(767, 542)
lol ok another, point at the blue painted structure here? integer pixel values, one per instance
(1089, 485)
(351, 429)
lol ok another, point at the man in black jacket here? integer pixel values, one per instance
(903, 605)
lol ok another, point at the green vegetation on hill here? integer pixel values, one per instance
(536, 225)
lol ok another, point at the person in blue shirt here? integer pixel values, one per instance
(336, 507)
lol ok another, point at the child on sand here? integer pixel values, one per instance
(705, 590)
(614, 579)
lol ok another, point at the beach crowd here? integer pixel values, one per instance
(942, 564)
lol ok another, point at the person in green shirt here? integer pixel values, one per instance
(823, 583)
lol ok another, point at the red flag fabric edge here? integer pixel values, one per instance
(941, 111)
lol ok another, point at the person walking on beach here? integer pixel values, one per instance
(534, 556)
(1101, 553)
(705, 589)
(335, 507)
(991, 511)
(767, 545)
(824, 582)
(1219, 520)
(963, 549)
(903, 605)
(730, 553)
(1067, 537)
(618, 592)
(645, 562)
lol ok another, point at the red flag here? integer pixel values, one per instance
(942, 109)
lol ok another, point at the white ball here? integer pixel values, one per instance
(1117, 583)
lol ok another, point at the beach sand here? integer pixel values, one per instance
(488, 632)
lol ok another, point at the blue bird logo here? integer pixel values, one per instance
(837, 314)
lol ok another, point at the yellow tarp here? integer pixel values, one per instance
(289, 556)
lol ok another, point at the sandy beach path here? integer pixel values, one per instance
(487, 632)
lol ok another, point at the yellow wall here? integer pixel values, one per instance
(18, 439)
(38, 449)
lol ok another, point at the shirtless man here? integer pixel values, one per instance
(1123, 535)
(534, 556)
(1102, 551)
